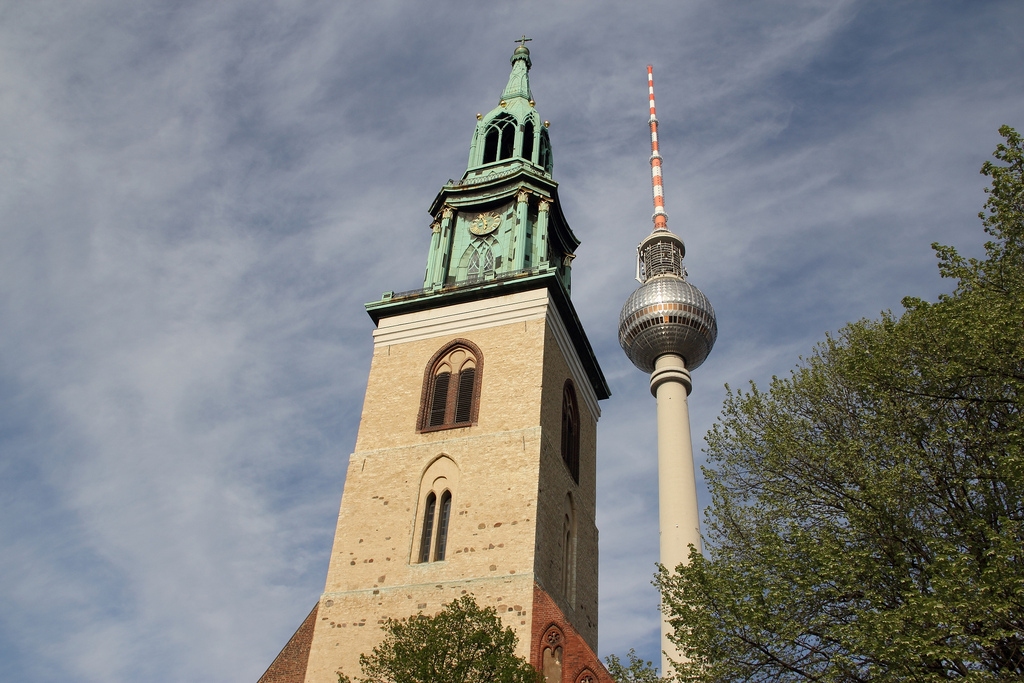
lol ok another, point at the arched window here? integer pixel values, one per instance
(428, 527)
(480, 260)
(569, 550)
(451, 387)
(508, 141)
(571, 431)
(491, 144)
(442, 526)
(500, 138)
(434, 515)
(481, 263)
(586, 676)
(545, 151)
(551, 660)
(528, 133)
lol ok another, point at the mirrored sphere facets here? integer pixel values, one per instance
(667, 315)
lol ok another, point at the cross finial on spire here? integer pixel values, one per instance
(518, 80)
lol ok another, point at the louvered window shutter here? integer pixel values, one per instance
(464, 400)
(439, 402)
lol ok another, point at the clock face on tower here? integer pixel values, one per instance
(485, 223)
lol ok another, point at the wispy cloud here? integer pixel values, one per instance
(198, 198)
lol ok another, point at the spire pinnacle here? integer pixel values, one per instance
(660, 217)
(519, 79)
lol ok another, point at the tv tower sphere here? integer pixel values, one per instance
(666, 314)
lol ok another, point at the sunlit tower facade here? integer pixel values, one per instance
(475, 464)
(667, 328)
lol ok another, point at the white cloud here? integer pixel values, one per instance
(197, 200)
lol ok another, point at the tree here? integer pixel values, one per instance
(638, 671)
(867, 518)
(463, 643)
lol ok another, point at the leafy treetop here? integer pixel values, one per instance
(867, 513)
(638, 670)
(463, 643)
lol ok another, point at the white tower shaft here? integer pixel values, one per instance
(677, 483)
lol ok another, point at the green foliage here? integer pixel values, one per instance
(462, 643)
(638, 671)
(868, 510)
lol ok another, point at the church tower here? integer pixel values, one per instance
(475, 461)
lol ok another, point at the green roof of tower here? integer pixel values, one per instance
(500, 228)
(512, 131)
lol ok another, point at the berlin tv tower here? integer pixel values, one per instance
(667, 328)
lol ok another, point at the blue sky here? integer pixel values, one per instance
(198, 198)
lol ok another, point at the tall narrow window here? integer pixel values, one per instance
(451, 388)
(528, 133)
(464, 399)
(442, 526)
(491, 144)
(545, 151)
(428, 527)
(551, 662)
(508, 140)
(569, 550)
(571, 431)
(566, 555)
(438, 486)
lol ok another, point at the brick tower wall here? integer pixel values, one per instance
(510, 484)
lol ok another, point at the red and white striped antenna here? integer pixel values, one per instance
(660, 217)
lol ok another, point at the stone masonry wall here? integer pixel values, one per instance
(508, 489)
(579, 603)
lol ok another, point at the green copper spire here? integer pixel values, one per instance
(519, 79)
(501, 224)
(499, 229)
(512, 132)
